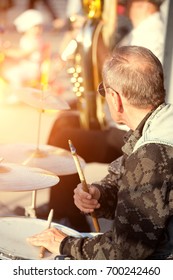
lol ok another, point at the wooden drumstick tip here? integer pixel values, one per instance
(42, 250)
(49, 220)
(72, 148)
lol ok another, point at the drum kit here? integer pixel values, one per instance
(29, 167)
(14, 232)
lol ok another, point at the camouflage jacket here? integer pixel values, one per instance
(137, 193)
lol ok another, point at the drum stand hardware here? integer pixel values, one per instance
(30, 210)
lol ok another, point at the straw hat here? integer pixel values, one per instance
(27, 20)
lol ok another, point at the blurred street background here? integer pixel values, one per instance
(19, 121)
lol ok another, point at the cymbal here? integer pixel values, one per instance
(14, 177)
(54, 159)
(42, 99)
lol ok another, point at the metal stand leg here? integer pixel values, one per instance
(30, 210)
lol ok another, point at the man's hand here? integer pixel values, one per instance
(87, 202)
(49, 239)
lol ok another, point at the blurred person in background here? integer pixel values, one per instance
(5, 5)
(22, 63)
(148, 26)
(74, 14)
(32, 4)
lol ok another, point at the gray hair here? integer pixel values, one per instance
(137, 74)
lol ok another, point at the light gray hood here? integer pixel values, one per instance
(158, 127)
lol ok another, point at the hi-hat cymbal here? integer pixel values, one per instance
(53, 159)
(15, 178)
(42, 99)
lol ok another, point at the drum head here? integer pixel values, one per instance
(13, 234)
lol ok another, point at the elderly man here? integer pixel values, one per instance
(137, 193)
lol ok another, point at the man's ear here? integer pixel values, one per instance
(117, 102)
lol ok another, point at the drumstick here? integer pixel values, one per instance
(49, 220)
(83, 181)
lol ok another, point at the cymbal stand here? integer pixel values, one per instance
(30, 211)
(39, 128)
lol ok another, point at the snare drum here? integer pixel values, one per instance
(13, 234)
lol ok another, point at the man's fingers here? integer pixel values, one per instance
(85, 205)
(80, 193)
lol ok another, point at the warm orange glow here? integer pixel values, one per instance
(45, 68)
(3, 87)
(92, 8)
(2, 57)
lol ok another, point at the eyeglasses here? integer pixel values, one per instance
(101, 89)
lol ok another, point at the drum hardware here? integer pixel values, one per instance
(54, 159)
(30, 210)
(14, 232)
(35, 156)
(15, 178)
(42, 99)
